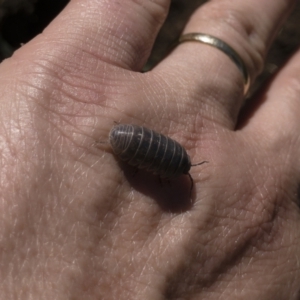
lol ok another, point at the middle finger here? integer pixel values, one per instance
(215, 85)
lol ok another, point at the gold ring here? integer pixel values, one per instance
(219, 44)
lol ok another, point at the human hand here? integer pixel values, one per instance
(76, 225)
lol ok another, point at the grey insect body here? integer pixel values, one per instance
(149, 150)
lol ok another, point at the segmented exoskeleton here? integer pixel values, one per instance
(150, 150)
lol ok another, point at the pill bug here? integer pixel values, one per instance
(146, 149)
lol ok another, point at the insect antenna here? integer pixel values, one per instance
(203, 162)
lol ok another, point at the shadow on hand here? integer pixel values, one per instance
(172, 195)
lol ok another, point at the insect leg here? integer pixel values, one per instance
(135, 172)
(192, 183)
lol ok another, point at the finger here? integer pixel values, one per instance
(118, 32)
(276, 117)
(214, 80)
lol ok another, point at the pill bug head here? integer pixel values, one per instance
(187, 165)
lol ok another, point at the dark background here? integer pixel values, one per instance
(21, 20)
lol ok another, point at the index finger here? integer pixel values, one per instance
(117, 32)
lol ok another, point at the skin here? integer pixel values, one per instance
(75, 223)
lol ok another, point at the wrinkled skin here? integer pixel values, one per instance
(75, 223)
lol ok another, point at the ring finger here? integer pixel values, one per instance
(216, 85)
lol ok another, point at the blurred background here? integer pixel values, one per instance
(21, 20)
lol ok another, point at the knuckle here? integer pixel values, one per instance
(239, 30)
(157, 8)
